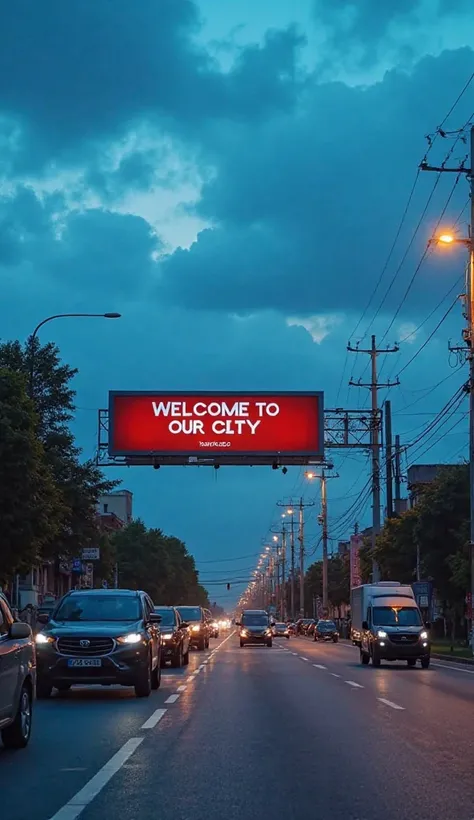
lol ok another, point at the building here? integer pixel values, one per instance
(419, 475)
(115, 509)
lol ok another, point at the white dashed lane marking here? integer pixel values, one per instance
(319, 666)
(354, 684)
(391, 704)
(154, 719)
(172, 699)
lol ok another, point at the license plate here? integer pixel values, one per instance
(84, 662)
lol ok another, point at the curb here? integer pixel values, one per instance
(451, 659)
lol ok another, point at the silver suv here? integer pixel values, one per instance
(17, 678)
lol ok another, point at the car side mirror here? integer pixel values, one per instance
(19, 630)
(154, 618)
(42, 618)
(427, 625)
(365, 625)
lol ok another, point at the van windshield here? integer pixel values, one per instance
(396, 616)
(255, 619)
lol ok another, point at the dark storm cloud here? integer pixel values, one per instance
(357, 29)
(79, 71)
(306, 207)
(92, 251)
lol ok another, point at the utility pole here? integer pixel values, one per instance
(388, 457)
(468, 335)
(301, 540)
(398, 476)
(374, 386)
(324, 515)
(283, 572)
(292, 581)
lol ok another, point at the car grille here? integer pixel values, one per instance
(97, 646)
(405, 639)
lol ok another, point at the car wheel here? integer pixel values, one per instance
(17, 735)
(287, 637)
(425, 662)
(335, 640)
(411, 662)
(364, 658)
(375, 657)
(156, 677)
(202, 645)
(186, 658)
(63, 687)
(269, 643)
(241, 644)
(206, 646)
(43, 690)
(177, 661)
(143, 683)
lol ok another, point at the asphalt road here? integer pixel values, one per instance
(298, 731)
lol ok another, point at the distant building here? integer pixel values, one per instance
(419, 475)
(115, 509)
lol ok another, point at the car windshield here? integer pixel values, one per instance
(255, 619)
(396, 616)
(281, 626)
(190, 613)
(326, 625)
(167, 616)
(99, 608)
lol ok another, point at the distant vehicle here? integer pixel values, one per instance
(175, 637)
(326, 631)
(200, 630)
(387, 624)
(255, 627)
(281, 631)
(304, 625)
(214, 629)
(99, 636)
(17, 678)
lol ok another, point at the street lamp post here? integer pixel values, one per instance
(60, 316)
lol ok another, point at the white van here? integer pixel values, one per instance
(387, 624)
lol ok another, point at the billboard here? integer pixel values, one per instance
(286, 427)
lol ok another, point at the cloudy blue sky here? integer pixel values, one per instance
(231, 177)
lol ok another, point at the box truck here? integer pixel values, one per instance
(387, 624)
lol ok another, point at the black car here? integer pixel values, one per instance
(200, 629)
(175, 639)
(281, 631)
(305, 626)
(255, 627)
(326, 631)
(100, 636)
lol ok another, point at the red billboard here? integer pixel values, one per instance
(266, 425)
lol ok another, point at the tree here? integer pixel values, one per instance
(159, 564)
(80, 484)
(31, 511)
(338, 581)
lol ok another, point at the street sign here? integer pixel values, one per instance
(91, 554)
(76, 565)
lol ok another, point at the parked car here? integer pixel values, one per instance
(174, 636)
(17, 678)
(304, 625)
(100, 636)
(326, 631)
(281, 631)
(199, 625)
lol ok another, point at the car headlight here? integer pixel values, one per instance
(196, 628)
(41, 639)
(244, 633)
(132, 637)
(168, 636)
(424, 636)
(381, 633)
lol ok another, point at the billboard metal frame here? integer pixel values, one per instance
(216, 458)
(341, 429)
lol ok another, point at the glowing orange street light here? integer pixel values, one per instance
(446, 238)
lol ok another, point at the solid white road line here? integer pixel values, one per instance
(334, 675)
(82, 798)
(172, 699)
(391, 704)
(453, 668)
(354, 684)
(319, 666)
(182, 688)
(154, 719)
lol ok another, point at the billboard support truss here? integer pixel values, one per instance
(343, 429)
